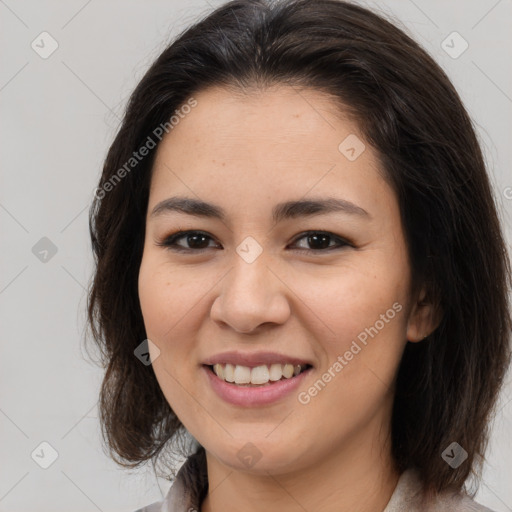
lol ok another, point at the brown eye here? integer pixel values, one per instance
(198, 241)
(322, 241)
(195, 241)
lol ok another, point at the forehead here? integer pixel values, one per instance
(281, 117)
(282, 142)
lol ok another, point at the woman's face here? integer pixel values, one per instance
(263, 292)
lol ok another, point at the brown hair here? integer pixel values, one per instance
(411, 115)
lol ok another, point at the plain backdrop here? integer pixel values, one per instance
(59, 115)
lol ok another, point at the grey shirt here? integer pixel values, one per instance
(191, 485)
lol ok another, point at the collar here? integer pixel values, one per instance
(191, 486)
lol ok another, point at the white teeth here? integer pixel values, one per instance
(242, 374)
(219, 370)
(276, 371)
(229, 373)
(288, 370)
(257, 375)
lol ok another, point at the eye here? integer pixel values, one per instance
(198, 241)
(320, 240)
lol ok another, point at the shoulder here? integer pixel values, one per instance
(458, 503)
(154, 507)
(177, 500)
(407, 497)
(188, 488)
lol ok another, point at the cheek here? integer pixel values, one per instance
(167, 297)
(349, 300)
(361, 333)
(167, 305)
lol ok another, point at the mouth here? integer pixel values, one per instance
(255, 386)
(257, 376)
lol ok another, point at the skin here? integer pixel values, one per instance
(246, 153)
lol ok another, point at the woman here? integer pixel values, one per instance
(300, 264)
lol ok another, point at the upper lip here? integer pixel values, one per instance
(253, 359)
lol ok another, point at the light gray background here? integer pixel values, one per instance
(58, 117)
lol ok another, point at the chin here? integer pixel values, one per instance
(259, 455)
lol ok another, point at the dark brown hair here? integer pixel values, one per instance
(411, 115)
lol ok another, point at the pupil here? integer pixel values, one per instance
(315, 238)
(196, 241)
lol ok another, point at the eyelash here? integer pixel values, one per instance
(170, 241)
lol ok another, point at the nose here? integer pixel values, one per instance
(251, 295)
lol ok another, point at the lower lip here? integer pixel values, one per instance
(250, 396)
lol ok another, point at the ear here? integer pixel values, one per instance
(424, 318)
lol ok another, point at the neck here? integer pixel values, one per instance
(359, 477)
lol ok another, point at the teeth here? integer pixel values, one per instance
(242, 374)
(258, 375)
(276, 371)
(219, 370)
(288, 370)
(229, 373)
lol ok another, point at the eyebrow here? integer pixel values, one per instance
(280, 212)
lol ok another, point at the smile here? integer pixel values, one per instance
(267, 389)
(259, 375)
